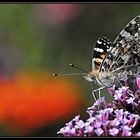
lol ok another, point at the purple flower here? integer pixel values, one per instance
(130, 100)
(76, 118)
(66, 131)
(134, 120)
(118, 95)
(97, 124)
(90, 112)
(80, 124)
(70, 124)
(91, 119)
(126, 131)
(124, 89)
(89, 129)
(97, 103)
(128, 97)
(99, 117)
(111, 90)
(115, 122)
(113, 131)
(99, 131)
(125, 121)
(117, 118)
(138, 82)
(138, 134)
(105, 122)
(119, 113)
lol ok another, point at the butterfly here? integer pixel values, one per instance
(113, 61)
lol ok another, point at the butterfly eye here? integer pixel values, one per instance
(103, 69)
(93, 77)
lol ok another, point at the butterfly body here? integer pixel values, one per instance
(102, 78)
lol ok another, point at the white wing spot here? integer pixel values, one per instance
(99, 42)
(125, 33)
(98, 50)
(133, 22)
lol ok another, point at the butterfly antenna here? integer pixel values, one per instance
(79, 68)
(68, 74)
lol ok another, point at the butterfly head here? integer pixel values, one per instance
(91, 76)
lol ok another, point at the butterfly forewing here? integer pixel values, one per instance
(101, 49)
(124, 55)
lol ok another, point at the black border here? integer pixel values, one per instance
(66, 2)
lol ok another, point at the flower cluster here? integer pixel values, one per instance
(118, 118)
(128, 96)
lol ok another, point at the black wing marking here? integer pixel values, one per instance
(100, 50)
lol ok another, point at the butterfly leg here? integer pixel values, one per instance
(94, 95)
(99, 89)
(99, 94)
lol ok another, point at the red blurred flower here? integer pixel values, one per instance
(58, 13)
(30, 101)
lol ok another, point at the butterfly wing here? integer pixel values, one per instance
(100, 50)
(124, 55)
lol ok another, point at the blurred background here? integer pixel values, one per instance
(37, 40)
